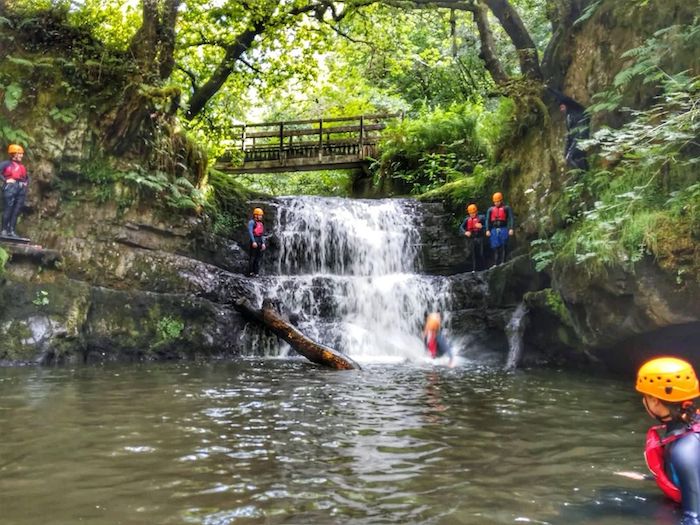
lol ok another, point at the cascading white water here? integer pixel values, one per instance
(514, 330)
(348, 270)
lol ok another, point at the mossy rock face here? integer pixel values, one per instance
(33, 317)
(616, 307)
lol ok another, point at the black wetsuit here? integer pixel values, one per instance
(682, 462)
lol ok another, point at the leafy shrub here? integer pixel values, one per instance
(434, 148)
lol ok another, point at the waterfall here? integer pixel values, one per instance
(349, 272)
(514, 331)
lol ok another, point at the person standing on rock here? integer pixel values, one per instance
(670, 391)
(473, 229)
(499, 227)
(435, 342)
(256, 232)
(14, 189)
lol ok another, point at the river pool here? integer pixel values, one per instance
(275, 441)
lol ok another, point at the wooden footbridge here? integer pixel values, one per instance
(304, 145)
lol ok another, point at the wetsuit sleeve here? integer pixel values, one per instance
(511, 219)
(251, 224)
(685, 461)
(488, 222)
(4, 164)
(463, 226)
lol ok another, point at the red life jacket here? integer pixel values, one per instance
(472, 223)
(15, 171)
(431, 342)
(258, 229)
(654, 456)
(498, 213)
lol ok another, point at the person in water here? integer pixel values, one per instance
(256, 232)
(14, 189)
(473, 229)
(670, 389)
(499, 227)
(435, 342)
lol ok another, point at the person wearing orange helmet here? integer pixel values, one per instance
(256, 232)
(472, 228)
(434, 340)
(499, 227)
(14, 189)
(670, 390)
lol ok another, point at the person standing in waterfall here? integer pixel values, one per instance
(473, 229)
(14, 189)
(670, 391)
(499, 227)
(256, 232)
(434, 340)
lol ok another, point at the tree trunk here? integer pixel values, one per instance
(310, 349)
(204, 93)
(152, 47)
(514, 27)
(488, 46)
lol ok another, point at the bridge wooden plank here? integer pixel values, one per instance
(377, 116)
(312, 131)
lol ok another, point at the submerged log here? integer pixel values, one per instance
(309, 348)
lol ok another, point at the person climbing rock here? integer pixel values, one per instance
(472, 228)
(14, 189)
(256, 232)
(577, 129)
(499, 227)
(670, 390)
(434, 340)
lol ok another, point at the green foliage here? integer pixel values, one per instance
(476, 188)
(225, 203)
(4, 257)
(433, 149)
(42, 298)
(643, 198)
(169, 329)
(328, 183)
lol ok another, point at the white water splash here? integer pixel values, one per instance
(348, 270)
(514, 330)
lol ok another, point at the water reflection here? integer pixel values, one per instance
(283, 442)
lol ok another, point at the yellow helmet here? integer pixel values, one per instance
(669, 379)
(14, 148)
(432, 322)
(258, 211)
(471, 208)
(497, 197)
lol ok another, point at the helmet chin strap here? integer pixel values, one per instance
(660, 419)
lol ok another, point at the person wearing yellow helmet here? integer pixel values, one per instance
(14, 189)
(472, 228)
(434, 340)
(256, 233)
(499, 227)
(669, 387)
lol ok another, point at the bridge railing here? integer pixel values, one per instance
(308, 139)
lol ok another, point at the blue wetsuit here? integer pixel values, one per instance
(443, 347)
(498, 229)
(682, 462)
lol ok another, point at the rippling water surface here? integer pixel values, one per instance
(272, 442)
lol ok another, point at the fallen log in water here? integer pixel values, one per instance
(309, 348)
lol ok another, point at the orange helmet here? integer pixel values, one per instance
(258, 211)
(432, 322)
(669, 379)
(14, 148)
(471, 208)
(497, 197)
